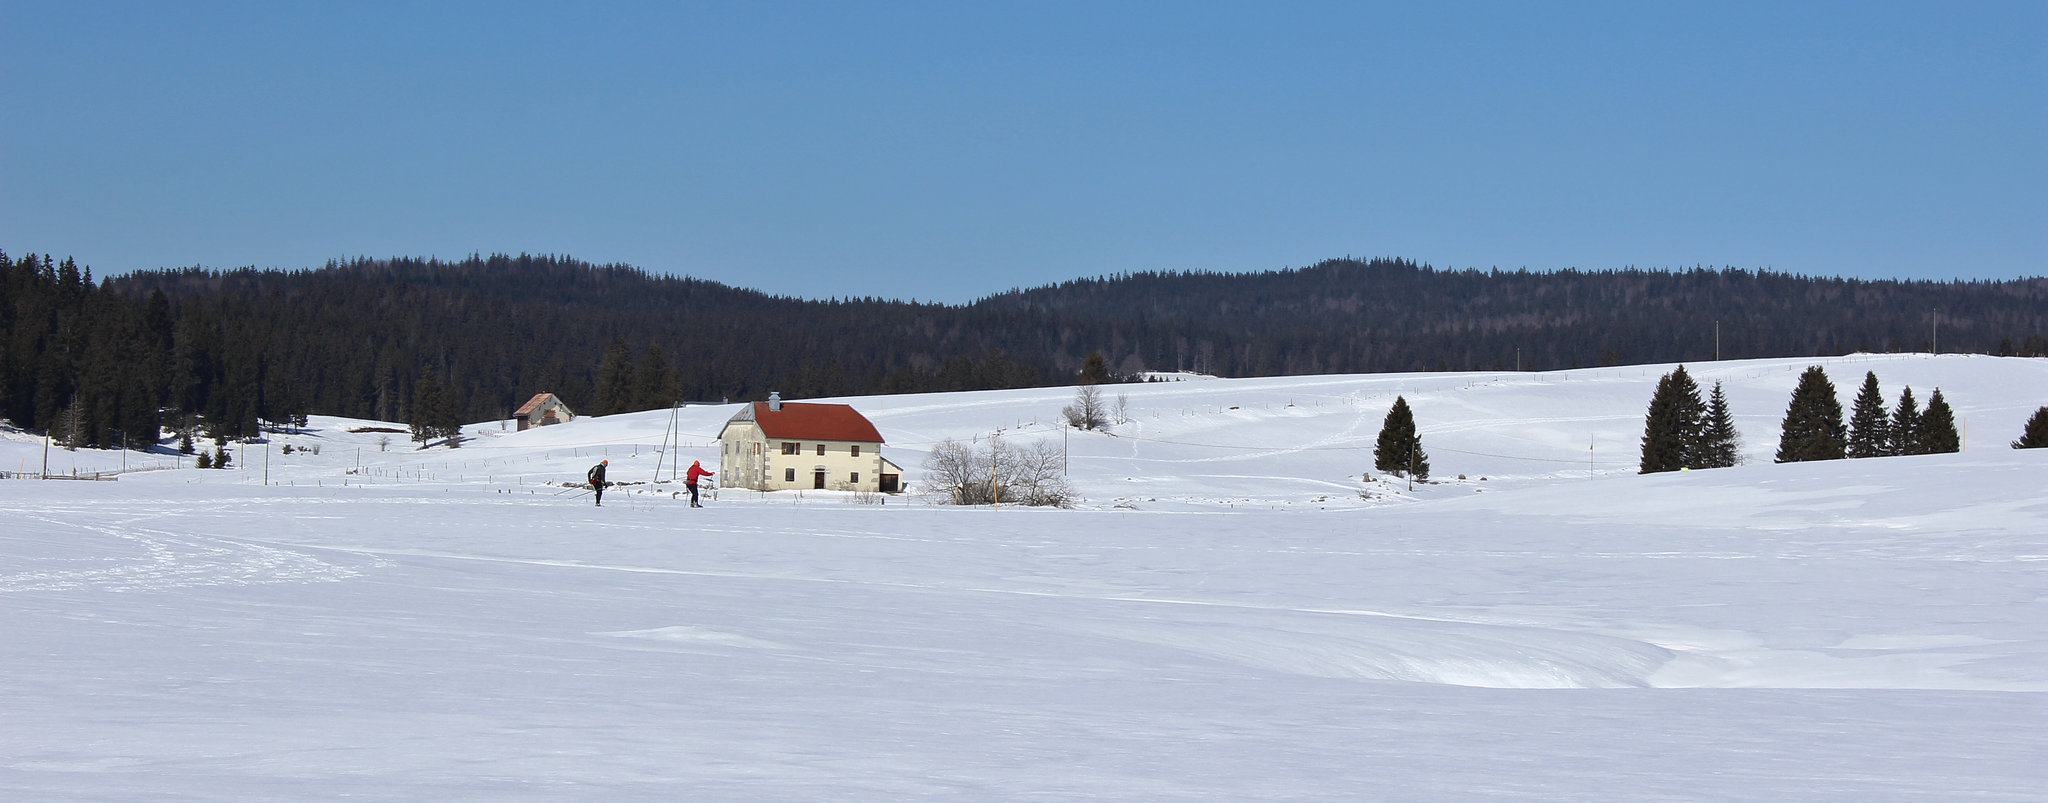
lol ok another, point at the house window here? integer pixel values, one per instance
(789, 447)
(789, 475)
(821, 450)
(856, 453)
(856, 478)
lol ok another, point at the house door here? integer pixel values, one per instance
(818, 479)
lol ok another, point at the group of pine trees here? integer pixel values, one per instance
(96, 367)
(1682, 432)
(1813, 428)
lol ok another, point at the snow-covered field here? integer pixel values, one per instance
(1232, 614)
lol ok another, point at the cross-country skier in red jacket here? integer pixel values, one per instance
(696, 471)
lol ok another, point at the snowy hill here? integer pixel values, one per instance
(1234, 612)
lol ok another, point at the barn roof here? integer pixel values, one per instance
(534, 403)
(811, 421)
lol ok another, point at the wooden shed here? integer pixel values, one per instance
(543, 409)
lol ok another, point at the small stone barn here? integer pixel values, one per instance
(777, 446)
(541, 410)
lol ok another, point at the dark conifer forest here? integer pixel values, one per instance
(228, 352)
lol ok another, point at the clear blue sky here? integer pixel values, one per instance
(949, 150)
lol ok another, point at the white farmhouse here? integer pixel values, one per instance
(777, 446)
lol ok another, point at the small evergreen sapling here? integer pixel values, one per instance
(2035, 436)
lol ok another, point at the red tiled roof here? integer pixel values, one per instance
(810, 421)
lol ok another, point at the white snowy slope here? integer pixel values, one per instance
(1234, 612)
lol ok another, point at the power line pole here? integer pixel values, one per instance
(1414, 448)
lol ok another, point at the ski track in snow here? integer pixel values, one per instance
(166, 560)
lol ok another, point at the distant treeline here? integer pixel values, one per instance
(1385, 315)
(227, 350)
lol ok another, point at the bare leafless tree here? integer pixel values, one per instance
(1087, 411)
(966, 474)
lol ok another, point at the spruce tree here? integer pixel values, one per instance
(1813, 428)
(1720, 447)
(1937, 433)
(1673, 429)
(1906, 424)
(656, 384)
(1094, 369)
(615, 379)
(1399, 450)
(426, 414)
(448, 418)
(2035, 436)
(1870, 427)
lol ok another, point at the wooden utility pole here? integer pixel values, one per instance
(1414, 448)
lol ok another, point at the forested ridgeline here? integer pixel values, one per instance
(230, 349)
(1395, 315)
(225, 350)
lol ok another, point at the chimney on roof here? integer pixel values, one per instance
(774, 402)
